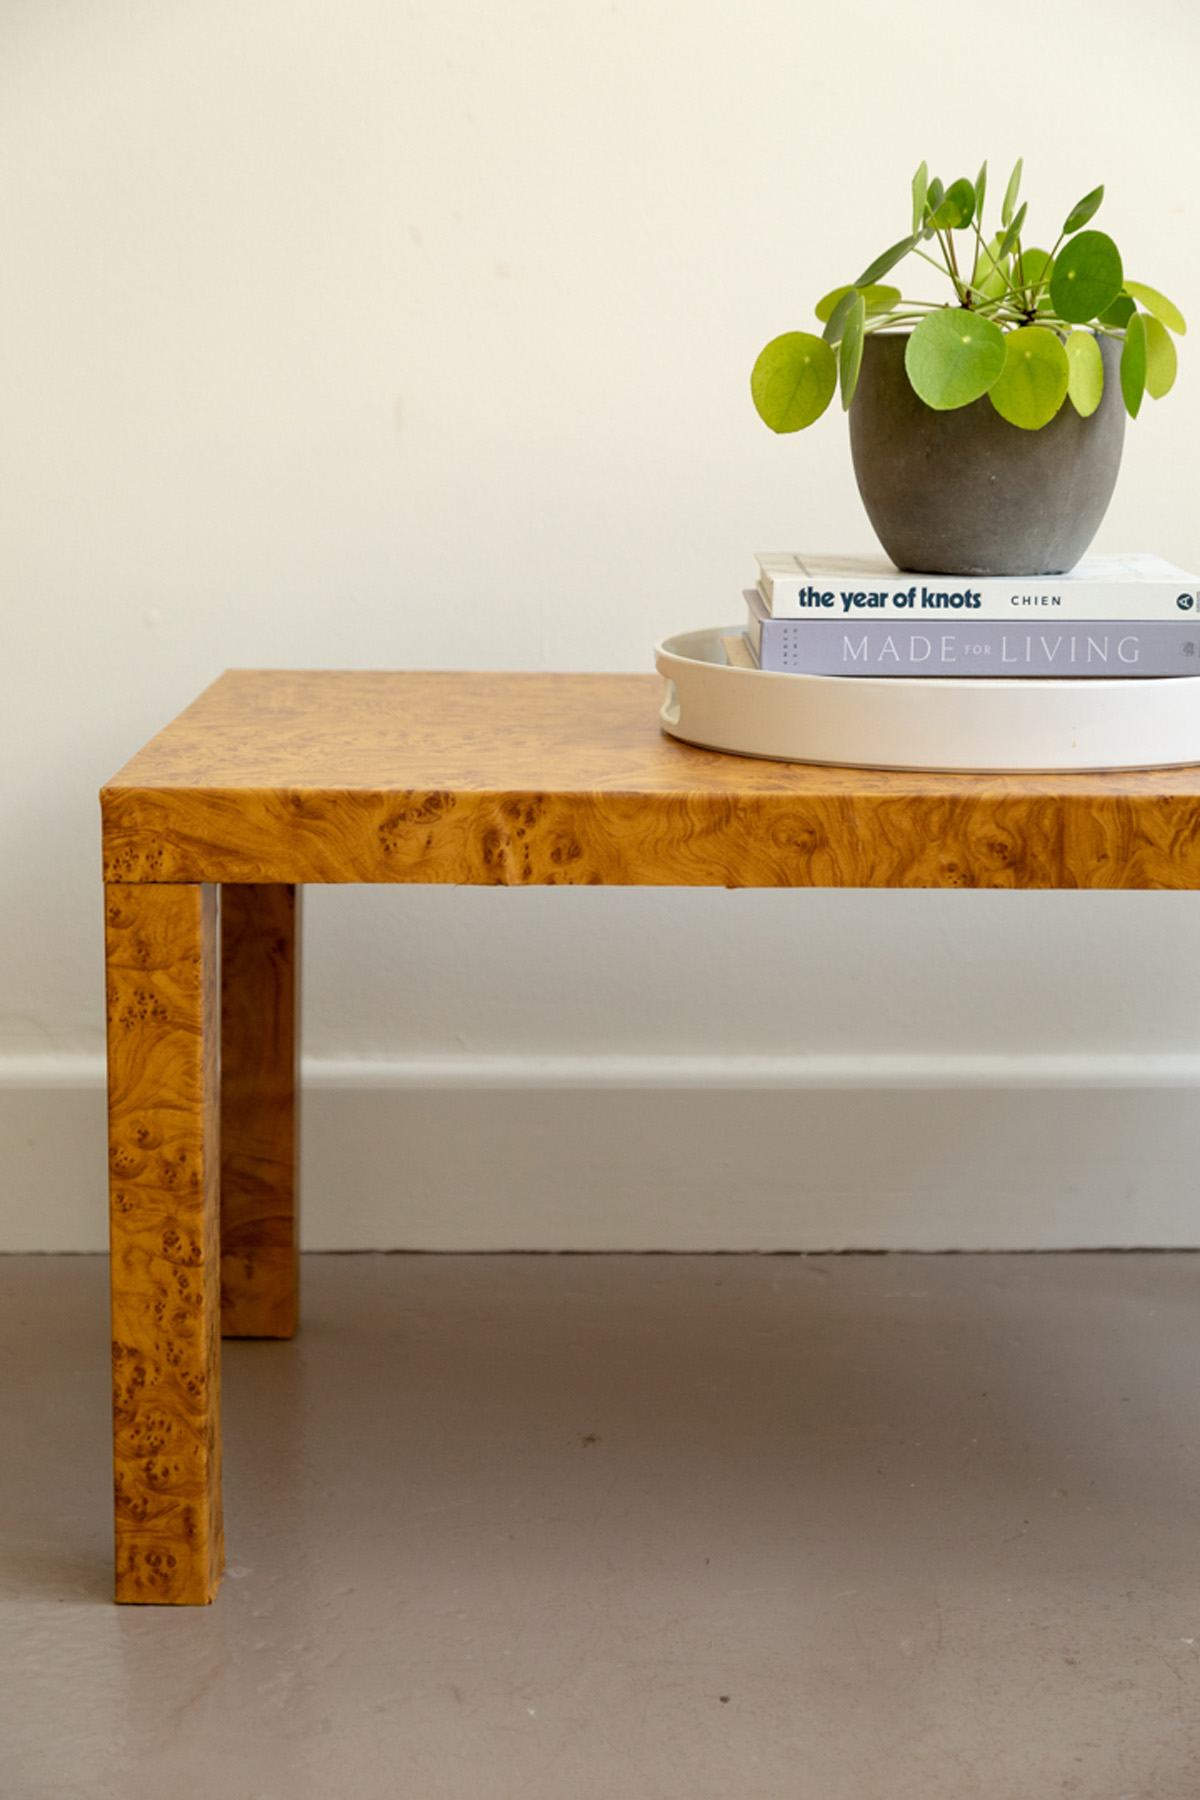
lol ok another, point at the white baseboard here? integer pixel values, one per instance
(677, 1153)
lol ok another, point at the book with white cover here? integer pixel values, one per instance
(1140, 586)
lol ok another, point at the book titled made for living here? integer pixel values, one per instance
(1098, 587)
(1099, 649)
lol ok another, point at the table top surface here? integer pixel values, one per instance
(421, 731)
(315, 775)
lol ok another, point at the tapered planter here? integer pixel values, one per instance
(964, 492)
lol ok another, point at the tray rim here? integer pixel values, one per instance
(1125, 697)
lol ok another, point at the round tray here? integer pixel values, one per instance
(896, 723)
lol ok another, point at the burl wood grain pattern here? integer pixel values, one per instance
(1153, 843)
(259, 1041)
(284, 777)
(163, 1132)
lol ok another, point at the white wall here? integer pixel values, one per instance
(377, 335)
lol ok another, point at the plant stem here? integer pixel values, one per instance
(942, 268)
(947, 244)
(895, 318)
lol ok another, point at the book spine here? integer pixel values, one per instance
(980, 597)
(977, 648)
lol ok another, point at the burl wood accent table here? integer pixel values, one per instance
(271, 780)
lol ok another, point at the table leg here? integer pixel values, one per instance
(259, 1005)
(163, 1158)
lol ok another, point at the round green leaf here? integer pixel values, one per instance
(878, 299)
(1119, 313)
(958, 207)
(1087, 277)
(1033, 383)
(1161, 360)
(1034, 268)
(850, 353)
(1080, 214)
(1158, 304)
(953, 357)
(1133, 364)
(793, 381)
(827, 304)
(1086, 382)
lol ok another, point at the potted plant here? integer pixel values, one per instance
(985, 428)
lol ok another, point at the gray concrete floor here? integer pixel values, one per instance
(634, 1528)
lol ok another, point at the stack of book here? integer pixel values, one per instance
(1111, 616)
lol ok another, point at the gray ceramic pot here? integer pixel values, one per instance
(965, 492)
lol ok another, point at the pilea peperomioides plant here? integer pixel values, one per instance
(1022, 327)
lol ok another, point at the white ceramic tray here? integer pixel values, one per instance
(895, 723)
